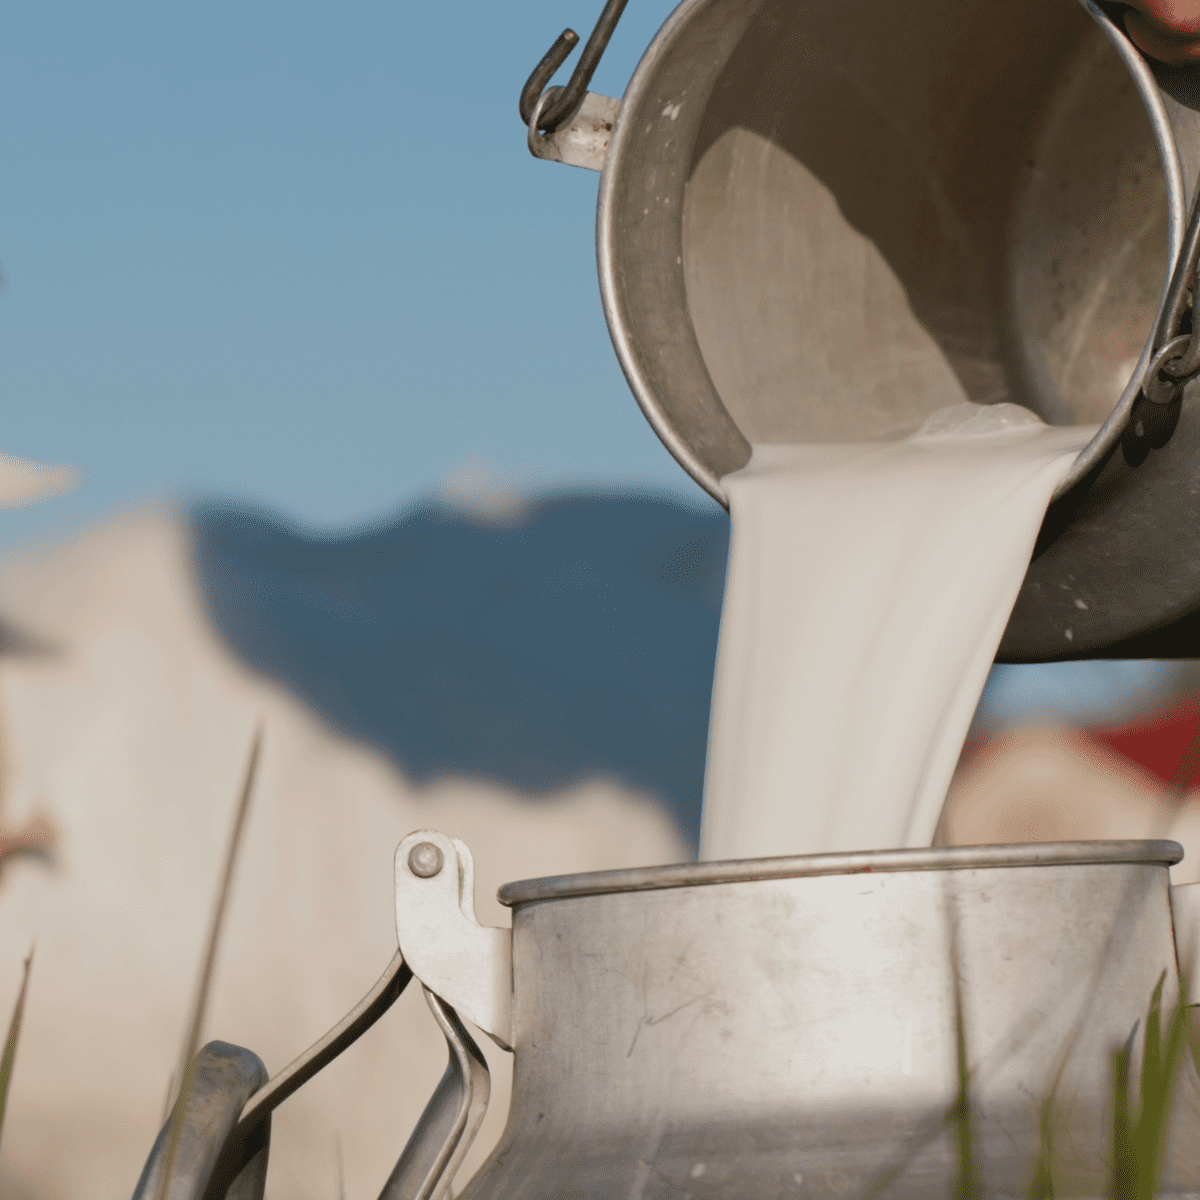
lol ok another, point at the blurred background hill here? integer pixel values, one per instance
(571, 639)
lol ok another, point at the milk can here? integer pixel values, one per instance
(908, 1023)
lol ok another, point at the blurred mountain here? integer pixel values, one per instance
(532, 646)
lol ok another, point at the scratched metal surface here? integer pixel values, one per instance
(737, 1038)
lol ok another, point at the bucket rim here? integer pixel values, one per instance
(1153, 852)
(620, 321)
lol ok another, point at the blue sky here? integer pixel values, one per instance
(297, 255)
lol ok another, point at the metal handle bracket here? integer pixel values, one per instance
(451, 1119)
(583, 140)
(467, 964)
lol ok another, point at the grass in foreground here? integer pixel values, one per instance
(10, 1042)
(1140, 1131)
(187, 1066)
(1140, 1122)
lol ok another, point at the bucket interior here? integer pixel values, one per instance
(888, 209)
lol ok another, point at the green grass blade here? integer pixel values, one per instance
(1123, 1185)
(191, 1044)
(1146, 1125)
(1041, 1182)
(1140, 1131)
(10, 1042)
(1158, 1088)
(966, 1186)
(1151, 1057)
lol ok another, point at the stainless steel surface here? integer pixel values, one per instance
(824, 222)
(583, 140)
(344, 1034)
(865, 862)
(1185, 915)
(465, 963)
(450, 1121)
(756, 1035)
(225, 1076)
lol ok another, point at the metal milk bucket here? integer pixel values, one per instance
(790, 1027)
(822, 221)
(832, 1025)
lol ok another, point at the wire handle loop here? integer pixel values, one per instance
(563, 103)
(1177, 354)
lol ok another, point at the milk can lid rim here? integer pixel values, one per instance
(745, 870)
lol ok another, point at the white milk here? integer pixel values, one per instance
(869, 586)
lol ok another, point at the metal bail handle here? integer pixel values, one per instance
(223, 1133)
(563, 103)
(1176, 357)
(201, 1125)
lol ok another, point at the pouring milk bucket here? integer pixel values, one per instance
(1010, 184)
(1021, 179)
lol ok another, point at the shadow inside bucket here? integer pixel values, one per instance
(1016, 241)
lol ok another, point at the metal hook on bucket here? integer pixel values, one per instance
(535, 119)
(1177, 357)
(562, 103)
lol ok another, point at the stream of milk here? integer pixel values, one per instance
(869, 586)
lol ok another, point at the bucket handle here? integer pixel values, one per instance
(223, 1078)
(451, 1119)
(223, 1141)
(561, 104)
(227, 1123)
(224, 1138)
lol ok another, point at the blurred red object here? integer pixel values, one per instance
(1054, 783)
(1158, 741)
